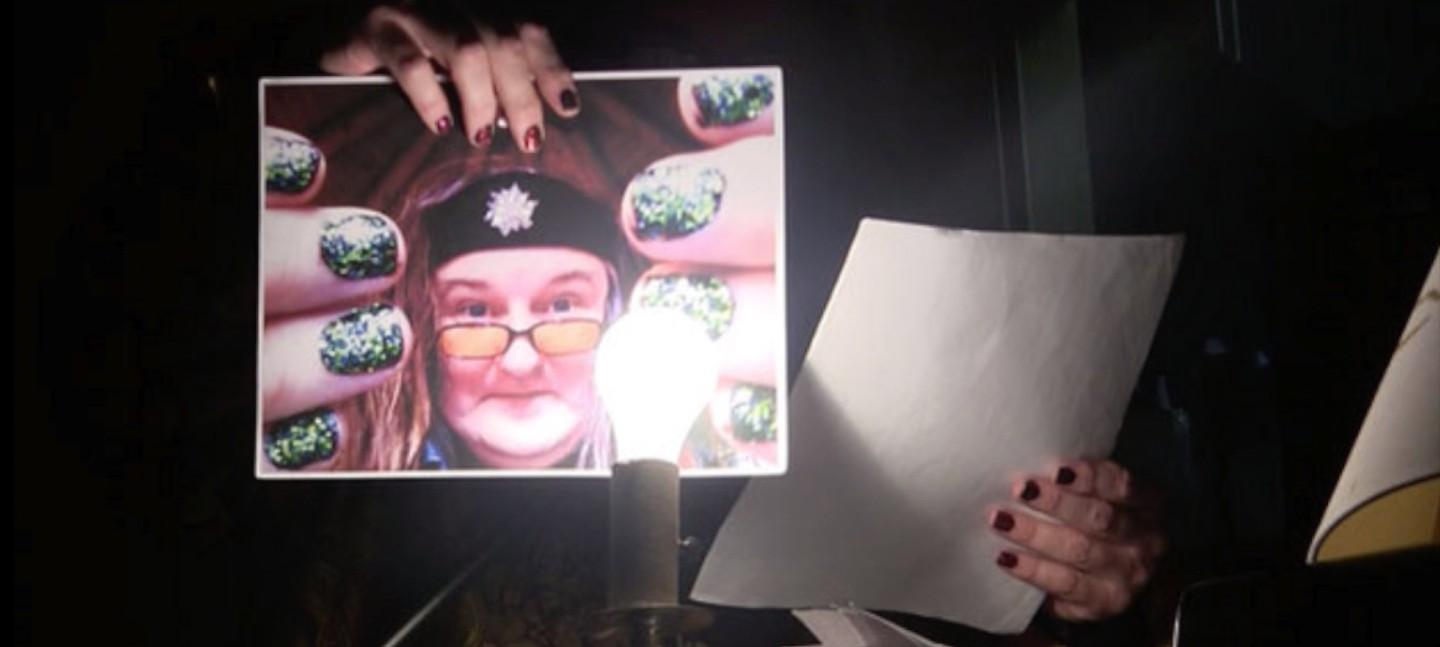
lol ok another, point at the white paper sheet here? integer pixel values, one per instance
(946, 364)
(848, 627)
(1399, 442)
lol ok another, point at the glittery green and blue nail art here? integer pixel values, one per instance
(304, 439)
(359, 246)
(290, 164)
(705, 298)
(363, 340)
(729, 100)
(752, 413)
(675, 200)
(713, 452)
(710, 450)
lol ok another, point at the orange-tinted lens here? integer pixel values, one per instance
(474, 341)
(565, 337)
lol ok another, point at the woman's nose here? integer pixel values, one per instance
(521, 358)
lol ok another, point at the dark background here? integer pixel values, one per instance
(1293, 142)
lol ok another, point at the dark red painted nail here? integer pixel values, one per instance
(442, 125)
(532, 139)
(1007, 559)
(1030, 492)
(1003, 521)
(482, 136)
(568, 100)
(1065, 476)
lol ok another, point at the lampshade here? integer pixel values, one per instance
(1388, 496)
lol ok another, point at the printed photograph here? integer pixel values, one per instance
(432, 299)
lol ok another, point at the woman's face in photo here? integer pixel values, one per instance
(517, 405)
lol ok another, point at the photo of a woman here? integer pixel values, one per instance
(521, 284)
(459, 310)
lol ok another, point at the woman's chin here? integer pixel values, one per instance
(521, 427)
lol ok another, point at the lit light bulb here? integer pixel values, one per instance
(655, 371)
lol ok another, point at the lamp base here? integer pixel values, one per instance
(648, 626)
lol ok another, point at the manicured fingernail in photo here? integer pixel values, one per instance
(302, 440)
(532, 139)
(568, 100)
(752, 413)
(719, 454)
(705, 298)
(675, 200)
(729, 100)
(290, 164)
(359, 246)
(715, 456)
(363, 340)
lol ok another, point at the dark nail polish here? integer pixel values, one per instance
(568, 100)
(443, 125)
(363, 340)
(290, 164)
(1003, 521)
(1030, 492)
(675, 200)
(752, 413)
(359, 246)
(483, 136)
(705, 298)
(1007, 559)
(725, 101)
(1065, 476)
(304, 439)
(532, 139)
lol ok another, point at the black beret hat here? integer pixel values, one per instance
(520, 209)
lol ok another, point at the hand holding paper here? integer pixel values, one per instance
(948, 364)
(1099, 549)
(496, 72)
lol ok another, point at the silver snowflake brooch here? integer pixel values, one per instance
(510, 209)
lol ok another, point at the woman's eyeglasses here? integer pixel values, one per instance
(486, 341)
